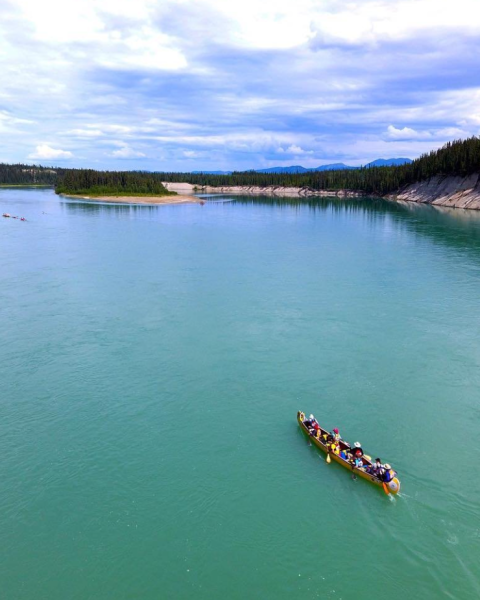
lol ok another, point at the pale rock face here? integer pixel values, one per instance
(188, 188)
(456, 192)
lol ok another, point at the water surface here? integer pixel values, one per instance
(152, 363)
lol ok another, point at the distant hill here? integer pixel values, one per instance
(389, 162)
(380, 162)
(211, 172)
(292, 169)
(300, 169)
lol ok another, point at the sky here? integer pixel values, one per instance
(178, 85)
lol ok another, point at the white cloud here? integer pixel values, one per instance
(85, 133)
(126, 152)
(372, 21)
(140, 45)
(294, 149)
(406, 133)
(47, 152)
(270, 24)
(437, 134)
(6, 117)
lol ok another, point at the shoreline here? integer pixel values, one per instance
(271, 190)
(448, 191)
(178, 199)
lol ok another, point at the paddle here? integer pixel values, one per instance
(385, 489)
(354, 477)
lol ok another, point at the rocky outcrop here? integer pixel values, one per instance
(455, 192)
(188, 188)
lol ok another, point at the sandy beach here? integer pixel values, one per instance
(179, 199)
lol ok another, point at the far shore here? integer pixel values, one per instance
(178, 199)
(269, 190)
(26, 185)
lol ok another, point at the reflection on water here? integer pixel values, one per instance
(94, 207)
(451, 226)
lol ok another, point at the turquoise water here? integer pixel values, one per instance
(152, 363)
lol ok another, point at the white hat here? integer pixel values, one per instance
(311, 417)
(387, 466)
(357, 445)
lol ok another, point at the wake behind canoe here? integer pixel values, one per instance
(322, 439)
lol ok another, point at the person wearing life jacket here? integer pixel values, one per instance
(336, 435)
(309, 423)
(330, 443)
(358, 462)
(357, 450)
(389, 473)
(378, 469)
(356, 453)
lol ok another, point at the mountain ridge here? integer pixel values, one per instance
(379, 162)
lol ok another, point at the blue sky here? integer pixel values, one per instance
(215, 84)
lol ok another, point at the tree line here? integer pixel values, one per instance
(20, 174)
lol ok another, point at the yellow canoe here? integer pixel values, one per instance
(392, 487)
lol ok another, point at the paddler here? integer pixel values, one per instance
(378, 469)
(336, 435)
(389, 473)
(357, 450)
(356, 455)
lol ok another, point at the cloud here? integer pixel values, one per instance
(126, 152)
(85, 133)
(6, 117)
(297, 150)
(376, 21)
(48, 153)
(407, 133)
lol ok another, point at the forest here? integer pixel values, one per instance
(460, 157)
(27, 175)
(110, 183)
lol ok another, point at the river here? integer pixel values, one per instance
(152, 363)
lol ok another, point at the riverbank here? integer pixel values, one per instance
(452, 191)
(272, 190)
(26, 185)
(177, 199)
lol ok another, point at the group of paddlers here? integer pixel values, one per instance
(354, 455)
(7, 216)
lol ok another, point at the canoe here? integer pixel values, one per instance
(392, 487)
